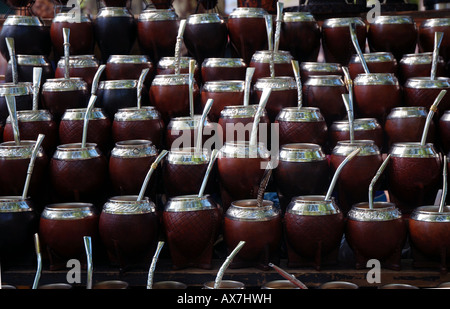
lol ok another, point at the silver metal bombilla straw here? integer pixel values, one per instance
(90, 268)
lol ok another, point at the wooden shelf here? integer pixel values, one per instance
(253, 278)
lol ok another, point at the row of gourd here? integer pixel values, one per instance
(79, 172)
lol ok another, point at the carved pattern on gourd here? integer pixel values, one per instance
(411, 183)
(329, 101)
(425, 98)
(72, 131)
(355, 178)
(75, 178)
(128, 174)
(325, 229)
(191, 232)
(15, 172)
(249, 173)
(429, 237)
(298, 132)
(146, 129)
(58, 102)
(31, 130)
(182, 179)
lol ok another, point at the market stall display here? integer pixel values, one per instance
(295, 116)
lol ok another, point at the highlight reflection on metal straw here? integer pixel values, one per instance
(250, 71)
(349, 108)
(437, 43)
(66, 35)
(358, 48)
(279, 20)
(90, 270)
(338, 171)
(201, 124)
(11, 105)
(37, 247)
(96, 79)
(12, 56)
(34, 154)
(444, 186)
(263, 185)
(87, 116)
(178, 44)
(227, 262)
(151, 271)
(140, 85)
(298, 81)
(37, 77)
(191, 87)
(433, 110)
(149, 174)
(214, 155)
(375, 179)
(261, 106)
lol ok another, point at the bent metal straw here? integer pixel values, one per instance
(149, 174)
(227, 262)
(214, 155)
(263, 185)
(34, 154)
(352, 27)
(288, 276)
(338, 171)
(206, 109)
(261, 106)
(248, 82)
(444, 186)
(37, 247)
(375, 179)
(433, 109)
(350, 116)
(298, 81)
(151, 271)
